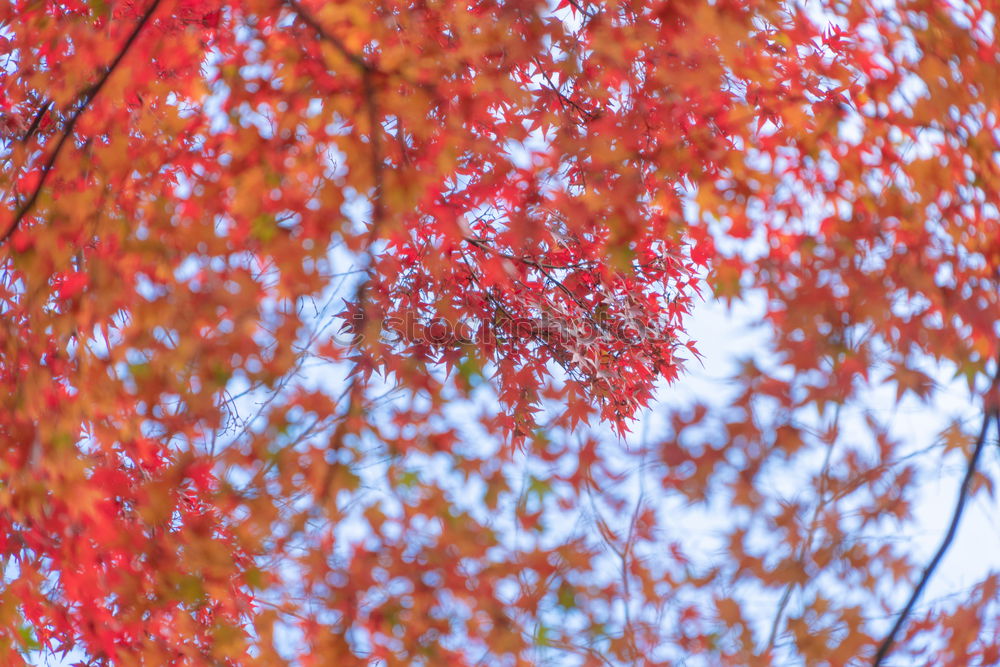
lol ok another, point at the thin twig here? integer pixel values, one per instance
(806, 548)
(563, 99)
(483, 245)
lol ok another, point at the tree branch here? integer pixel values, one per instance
(36, 121)
(368, 70)
(88, 96)
(335, 41)
(355, 387)
(484, 245)
(990, 412)
(804, 551)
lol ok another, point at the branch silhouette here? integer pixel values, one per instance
(88, 96)
(990, 413)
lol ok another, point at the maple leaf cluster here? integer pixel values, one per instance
(324, 328)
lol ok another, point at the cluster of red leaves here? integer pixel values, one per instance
(519, 203)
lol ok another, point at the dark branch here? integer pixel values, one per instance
(371, 105)
(990, 412)
(564, 100)
(355, 391)
(483, 245)
(88, 97)
(36, 121)
(327, 36)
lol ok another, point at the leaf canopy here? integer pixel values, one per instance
(324, 327)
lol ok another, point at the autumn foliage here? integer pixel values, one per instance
(325, 327)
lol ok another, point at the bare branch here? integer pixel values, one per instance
(990, 412)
